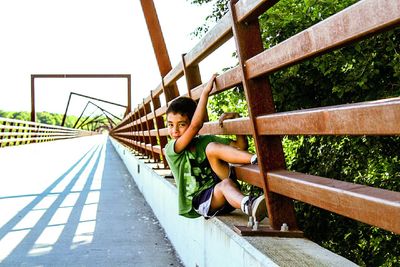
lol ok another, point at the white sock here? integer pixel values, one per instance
(242, 204)
(253, 159)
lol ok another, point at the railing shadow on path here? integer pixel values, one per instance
(98, 217)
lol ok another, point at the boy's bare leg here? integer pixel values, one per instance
(219, 155)
(224, 191)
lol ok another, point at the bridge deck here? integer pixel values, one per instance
(73, 203)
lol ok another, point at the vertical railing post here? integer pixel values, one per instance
(121, 132)
(159, 122)
(142, 129)
(28, 133)
(137, 137)
(3, 131)
(16, 135)
(129, 96)
(260, 101)
(34, 133)
(46, 135)
(169, 92)
(193, 78)
(23, 133)
(12, 134)
(150, 125)
(192, 75)
(131, 129)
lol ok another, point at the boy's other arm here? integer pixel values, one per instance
(241, 140)
(197, 120)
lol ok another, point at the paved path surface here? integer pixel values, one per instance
(73, 203)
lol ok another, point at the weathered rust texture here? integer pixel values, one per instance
(157, 40)
(192, 75)
(354, 23)
(131, 129)
(370, 205)
(139, 137)
(142, 129)
(250, 9)
(259, 98)
(380, 117)
(159, 125)
(150, 126)
(156, 36)
(241, 126)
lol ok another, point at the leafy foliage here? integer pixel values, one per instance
(367, 70)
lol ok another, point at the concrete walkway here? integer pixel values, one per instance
(73, 203)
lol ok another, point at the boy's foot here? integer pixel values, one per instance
(256, 207)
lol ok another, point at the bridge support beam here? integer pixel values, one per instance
(159, 47)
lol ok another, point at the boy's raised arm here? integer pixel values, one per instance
(198, 118)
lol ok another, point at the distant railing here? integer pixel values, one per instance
(17, 132)
(144, 129)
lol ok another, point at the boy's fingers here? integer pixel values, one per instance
(227, 116)
(221, 120)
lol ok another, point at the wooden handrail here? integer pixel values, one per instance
(16, 132)
(344, 198)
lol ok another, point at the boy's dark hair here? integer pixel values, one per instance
(184, 106)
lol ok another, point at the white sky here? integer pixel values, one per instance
(91, 37)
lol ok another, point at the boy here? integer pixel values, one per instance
(200, 164)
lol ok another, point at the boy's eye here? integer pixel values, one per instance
(170, 125)
(182, 124)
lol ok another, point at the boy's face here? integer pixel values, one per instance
(177, 124)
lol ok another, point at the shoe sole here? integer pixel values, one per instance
(259, 210)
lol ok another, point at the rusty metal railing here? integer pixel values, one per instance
(144, 130)
(17, 132)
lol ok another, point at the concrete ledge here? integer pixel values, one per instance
(201, 242)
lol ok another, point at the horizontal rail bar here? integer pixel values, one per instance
(381, 117)
(33, 124)
(32, 128)
(340, 29)
(343, 198)
(24, 132)
(35, 129)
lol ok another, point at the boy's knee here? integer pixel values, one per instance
(211, 148)
(226, 184)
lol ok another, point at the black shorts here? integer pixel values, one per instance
(202, 202)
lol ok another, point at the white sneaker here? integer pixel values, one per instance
(256, 207)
